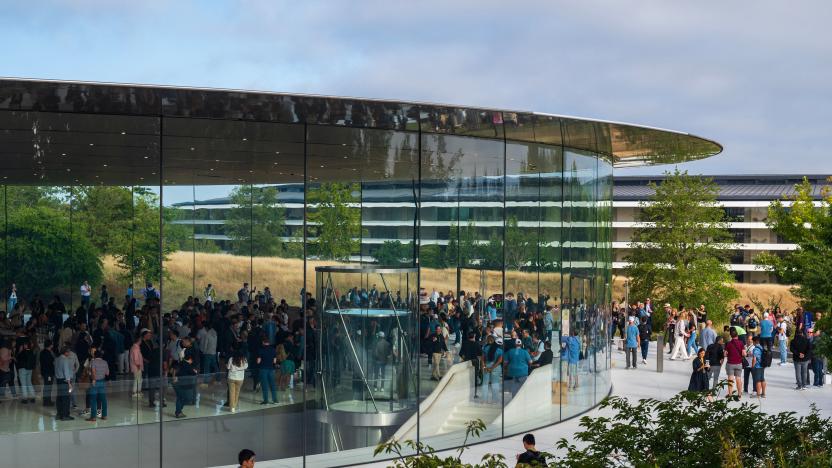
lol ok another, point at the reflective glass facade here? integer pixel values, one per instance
(352, 212)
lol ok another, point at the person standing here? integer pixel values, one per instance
(25, 361)
(86, 290)
(532, 456)
(715, 354)
(708, 335)
(246, 458)
(783, 340)
(517, 361)
(645, 329)
(437, 348)
(816, 359)
(757, 368)
(767, 332)
(735, 352)
(47, 372)
(800, 355)
(699, 377)
(184, 384)
(64, 376)
(237, 366)
(632, 342)
(492, 369)
(266, 361)
(12, 303)
(137, 365)
(99, 370)
(572, 346)
(208, 352)
(748, 359)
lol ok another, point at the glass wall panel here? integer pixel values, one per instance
(362, 192)
(68, 255)
(463, 188)
(580, 194)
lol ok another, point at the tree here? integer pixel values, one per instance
(521, 246)
(462, 245)
(334, 220)
(688, 430)
(677, 253)
(44, 254)
(809, 267)
(433, 256)
(256, 222)
(394, 253)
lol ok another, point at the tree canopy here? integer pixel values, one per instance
(256, 222)
(809, 267)
(334, 220)
(678, 251)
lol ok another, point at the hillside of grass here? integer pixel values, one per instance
(188, 273)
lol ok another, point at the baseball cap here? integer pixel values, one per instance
(667, 305)
(632, 319)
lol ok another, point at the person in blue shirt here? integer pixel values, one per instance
(767, 332)
(572, 345)
(633, 341)
(757, 369)
(517, 361)
(492, 369)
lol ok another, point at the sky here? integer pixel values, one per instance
(755, 76)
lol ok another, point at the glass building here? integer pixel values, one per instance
(136, 204)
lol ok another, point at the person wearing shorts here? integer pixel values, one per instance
(757, 370)
(734, 351)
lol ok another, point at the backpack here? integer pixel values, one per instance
(752, 323)
(767, 354)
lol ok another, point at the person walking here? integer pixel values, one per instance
(715, 354)
(237, 366)
(708, 335)
(531, 456)
(632, 342)
(437, 347)
(801, 358)
(25, 361)
(681, 334)
(12, 302)
(767, 331)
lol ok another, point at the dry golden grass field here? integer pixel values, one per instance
(189, 273)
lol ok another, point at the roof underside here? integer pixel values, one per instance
(116, 131)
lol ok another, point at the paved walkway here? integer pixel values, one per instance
(645, 382)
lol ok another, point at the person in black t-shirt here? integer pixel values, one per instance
(715, 355)
(546, 356)
(531, 457)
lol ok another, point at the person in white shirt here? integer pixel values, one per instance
(86, 290)
(783, 341)
(680, 341)
(237, 366)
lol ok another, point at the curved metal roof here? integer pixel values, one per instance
(67, 133)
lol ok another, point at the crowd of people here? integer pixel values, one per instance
(745, 347)
(74, 354)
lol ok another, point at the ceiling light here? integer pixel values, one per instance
(216, 160)
(68, 169)
(63, 154)
(345, 157)
(105, 165)
(124, 133)
(245, 139)
(211, 169)
(153, 173)
(277, 152)
(146, 157)
(322, 165)
(92, 144)
(192, 148)
(343, 144)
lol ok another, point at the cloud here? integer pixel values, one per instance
(753, 75)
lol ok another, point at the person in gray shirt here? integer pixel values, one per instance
(708, 334)
(64, 376)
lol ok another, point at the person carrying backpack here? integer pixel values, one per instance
(758, 367)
